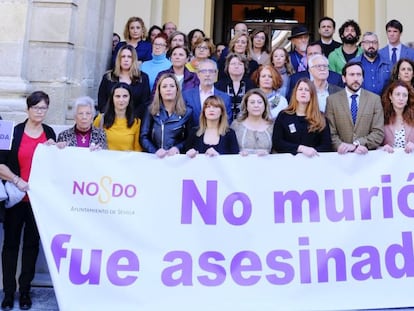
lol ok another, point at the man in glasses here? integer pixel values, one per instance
(311, 50)
(207, 74)
(377, 69)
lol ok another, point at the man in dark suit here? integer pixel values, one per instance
(355, 115)
(207, 74)
(395, 50)
(311, 50)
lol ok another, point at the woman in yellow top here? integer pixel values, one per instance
(119, 123)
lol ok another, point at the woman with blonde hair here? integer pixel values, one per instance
(213, 136)
(126, 70)
(254, 126)
(301, 127)
(167, 122)
(203, 48)
(240, 44)
(135, 34)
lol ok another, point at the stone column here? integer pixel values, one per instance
(59, 46)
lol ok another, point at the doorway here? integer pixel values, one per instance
(276, 18)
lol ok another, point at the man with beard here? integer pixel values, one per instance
(377, 69)
(355, 115)
(349, 34)
(300, 40)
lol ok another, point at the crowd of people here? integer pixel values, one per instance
(170, 93)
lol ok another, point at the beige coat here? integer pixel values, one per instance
(369, 126)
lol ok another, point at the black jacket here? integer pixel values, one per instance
(164, 131)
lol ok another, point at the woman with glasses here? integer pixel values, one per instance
(83, 133)
(203, 49)
(15, 167)
(159, 61)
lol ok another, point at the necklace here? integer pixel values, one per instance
(83, 135)
(83, 138)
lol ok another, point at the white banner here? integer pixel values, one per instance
(129, 231)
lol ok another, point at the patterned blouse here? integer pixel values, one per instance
(97, 136)
(251, 140)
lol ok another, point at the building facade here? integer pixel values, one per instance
(63, 46)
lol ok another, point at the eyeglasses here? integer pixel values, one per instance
(320, 67)
(210, 71)
(370, 42)
(202, 48)
(159, 44)
(41, 109)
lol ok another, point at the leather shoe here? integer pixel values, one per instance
(7, 303)
(25, 301)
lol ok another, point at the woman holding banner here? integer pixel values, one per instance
(214, 136)
(83, 133)
(15, 167)
(167, 122)
(301, 127)
(254, 126)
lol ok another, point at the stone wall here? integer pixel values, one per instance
(61, 47)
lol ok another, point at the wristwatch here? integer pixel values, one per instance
(356, 143)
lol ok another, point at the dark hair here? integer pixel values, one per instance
(36, 97)
(349, 64)
(266, 47)
(389, 112)
(153, 27)
(394, 24)
(109, 116)
(396, 69)
(327, 18)
(352, 23)
(190, 36)
(187, 51)
(115, 34)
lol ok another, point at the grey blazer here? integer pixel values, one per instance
(369, 125)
